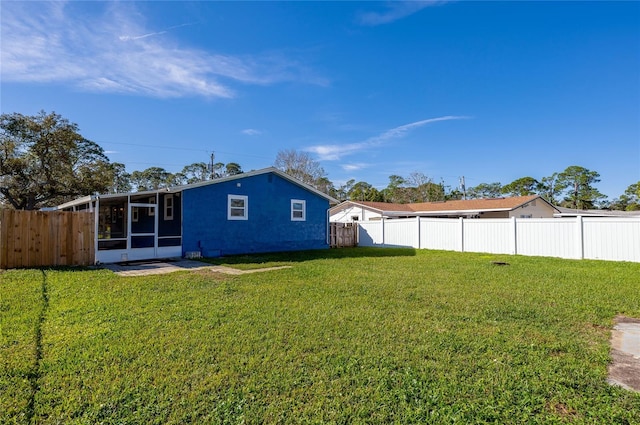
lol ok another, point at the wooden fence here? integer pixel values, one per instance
(343, 235)
(46, 238)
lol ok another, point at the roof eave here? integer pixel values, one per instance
(355, 203)
(274, 170)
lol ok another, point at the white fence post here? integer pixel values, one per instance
(382, 221)
(418, 232)
(514, 226)
(580, 237)
(461, 234)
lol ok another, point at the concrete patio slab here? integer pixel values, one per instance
(624, 370)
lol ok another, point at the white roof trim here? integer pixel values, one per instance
(273, 170)
(175, 189)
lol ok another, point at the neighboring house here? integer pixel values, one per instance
(572, 212)
(259, 211)
(532, 206)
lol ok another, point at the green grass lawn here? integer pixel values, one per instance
(344, 336)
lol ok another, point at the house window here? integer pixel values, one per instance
(152, 210)
(526, 215)
(134, 214)
(168, 207)
(238, 207)
(298, 210)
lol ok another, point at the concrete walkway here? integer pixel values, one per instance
(162, 267)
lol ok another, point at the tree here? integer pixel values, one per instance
(453, 195)
(45, 161)
(396, 190)
(551, 188)
(232, 169)
(300, 165)
(633, 193)
(629, 200)
(423, 189)
(343, 190)
(121, 179)
(152, 178)
(325, 185)
(363, 191)
(523, 186)
(579, 185)
(194, 173)
(485, 191)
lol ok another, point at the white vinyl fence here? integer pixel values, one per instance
(606, 238)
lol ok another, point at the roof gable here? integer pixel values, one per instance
(256, 173)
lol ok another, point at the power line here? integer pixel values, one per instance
(179, 148)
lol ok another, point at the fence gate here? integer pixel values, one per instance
(46, 238)
(343, 235)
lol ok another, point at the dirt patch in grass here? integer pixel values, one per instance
(625, 353)
(147, 268)
(212, 274)
(564, 411)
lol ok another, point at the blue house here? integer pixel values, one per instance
(259, 211)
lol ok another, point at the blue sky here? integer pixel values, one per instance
(492, 91)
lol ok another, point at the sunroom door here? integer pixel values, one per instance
(143, 235)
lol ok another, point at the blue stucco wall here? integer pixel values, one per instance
(269, 227)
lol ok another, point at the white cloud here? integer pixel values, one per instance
(395, 10)
(138, 37)
(251, 132)
(335, 152)
(332, 152)
(400, 131)
(354, 167)
(116, 52)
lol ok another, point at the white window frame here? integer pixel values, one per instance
(152, 211)
(294, 210)
(169, 207)
(245, 208)
(134, 214)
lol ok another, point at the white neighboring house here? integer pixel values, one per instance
(533, 206)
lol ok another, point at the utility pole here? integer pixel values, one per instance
(463, 188)
(211, 170)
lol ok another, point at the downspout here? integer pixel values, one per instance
(327, 227)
